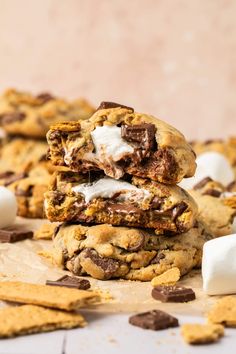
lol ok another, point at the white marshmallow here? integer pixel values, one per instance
(8, 207)
(107, 139)
(210, 164)
(107, 187)
(219, 266)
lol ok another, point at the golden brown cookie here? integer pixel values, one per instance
(118, 140)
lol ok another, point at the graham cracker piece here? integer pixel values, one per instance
(170, 277)
(26, 319)
(224, 312)
(46, 295)
(45, 232)
(201, 333)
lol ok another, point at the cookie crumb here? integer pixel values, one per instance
(170, 277)
(201, 333)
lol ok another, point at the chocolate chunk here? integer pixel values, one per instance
(14, 235)
(143, 134)
(212, 141)
(139, 244)
(6, 174)
(70, 282)
(14, 177)
(178, 210)
(202, 183)
(155, 320)
(107, 105)
(157, 258)
(213, 192)
(24, 193)
(108, 265)
(45, 97)
(173, 293)
(231, 186)
(123, 209)
(9, 118)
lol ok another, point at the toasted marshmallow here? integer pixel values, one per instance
(210, 164)
(219, 266)
(8, 207)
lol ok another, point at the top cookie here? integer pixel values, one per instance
(24, 114)
(117, 140)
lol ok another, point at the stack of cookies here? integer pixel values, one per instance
(23, 165)
(123, 214)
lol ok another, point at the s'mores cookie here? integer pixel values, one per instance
(106, 252)
(138, 202)
(119, 141)
(21, 113)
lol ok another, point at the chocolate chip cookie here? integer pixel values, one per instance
(138, 202)
(106, 252)
(21, 113)
(119, 141)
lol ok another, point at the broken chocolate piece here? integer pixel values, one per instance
(108, 105)
(231, 186)
(173, 293)
(155, 320)
(213, 192)
(6, 174)
(9, 118)
(178, 210)
(14, 235)
(202, 183)
(70, 282)
(14, 177)
(141, 133)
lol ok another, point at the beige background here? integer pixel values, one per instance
(173, 58)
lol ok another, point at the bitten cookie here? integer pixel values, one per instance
(118, 141)
(21, 113)
(138, 202)
(106, 252)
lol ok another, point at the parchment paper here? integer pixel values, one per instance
(20, 261)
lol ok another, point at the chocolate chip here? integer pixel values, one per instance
(108, 265)
(108, 105)
(141, 133)
(14, 177)
(9, 118)
(155, 320)
(212, 192)
(173, 294)
(70, 282)
(45, 97)
(6, 174)
(24, 193)
(178, 210)
(123, 208)
(139, 244)
(231, 186)
(14, 235)
(212, 141)
(157, 258)
(202, 183)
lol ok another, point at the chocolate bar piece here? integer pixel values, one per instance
(11, 178)
(12, 235)
(173, 294)
(70, 282)
(108, 105)
(155, 320)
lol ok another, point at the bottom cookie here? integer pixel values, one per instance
(106, 252)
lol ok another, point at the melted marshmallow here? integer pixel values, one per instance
(107, 187)
(107, 140)
(8, 207)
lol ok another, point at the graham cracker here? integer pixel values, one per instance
(45, 232)
(26, 319)
(201, 333)
(170, 277)
(49, 296)
(224, 312)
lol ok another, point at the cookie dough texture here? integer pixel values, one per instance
(224, 312)
(160, 153)
(106, 252)
(201, 333)
(168, 208)
(21, 113)
(48, 296)
(28, 319)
